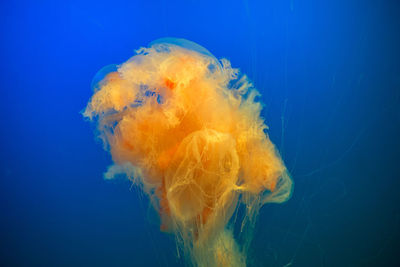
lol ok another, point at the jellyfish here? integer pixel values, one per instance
(186, 128)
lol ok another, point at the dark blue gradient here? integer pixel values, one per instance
(329, 74)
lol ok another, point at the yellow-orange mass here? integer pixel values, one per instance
(187, 129)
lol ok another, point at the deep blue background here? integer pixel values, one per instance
(329, 74)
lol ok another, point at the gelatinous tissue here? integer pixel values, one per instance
(186, 128)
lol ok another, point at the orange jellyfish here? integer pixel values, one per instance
(186, 128)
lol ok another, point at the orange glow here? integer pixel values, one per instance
(185, 127)
(171, 85)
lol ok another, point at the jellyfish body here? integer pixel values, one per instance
(185, 127)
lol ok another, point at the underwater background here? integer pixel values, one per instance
(329, 76)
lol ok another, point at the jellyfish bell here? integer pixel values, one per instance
(164, 43)
(180, 43)
(101, 74)
(187, 129)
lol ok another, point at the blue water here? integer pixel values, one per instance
(329, 74)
